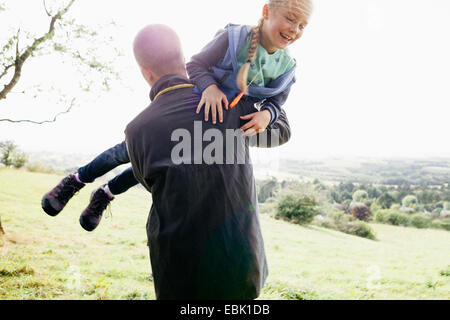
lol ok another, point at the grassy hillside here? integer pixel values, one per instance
(42, 257)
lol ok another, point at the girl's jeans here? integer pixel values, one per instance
(104, 163)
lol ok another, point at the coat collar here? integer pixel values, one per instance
(167, 81)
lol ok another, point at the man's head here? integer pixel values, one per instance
(158, 52)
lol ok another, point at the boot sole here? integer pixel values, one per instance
(48, 209)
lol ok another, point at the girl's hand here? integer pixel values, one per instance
(212, 98)
(258, 122)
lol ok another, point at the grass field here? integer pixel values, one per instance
(43, 257)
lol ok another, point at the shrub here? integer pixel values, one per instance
(419, 221)
(386, 200)
(326, 223)
(435, 224)
(360, 196)
(267, 189)
(358, 228)
(446, 205)
(340, 217)
(361, 212)
(445, 224)
(440, 224)
(298, 209)
(375, 206)
(18, 159)
(38, 167)
(347, 202)
(382, 215)
(342, 222)
(11, 156)
(7, 148)
(410, 201)
(398, 219)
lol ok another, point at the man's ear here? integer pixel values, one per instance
(148, 75)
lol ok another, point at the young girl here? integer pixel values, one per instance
(236, 57)
(252, 61)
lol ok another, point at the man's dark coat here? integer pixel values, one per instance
(203, 229)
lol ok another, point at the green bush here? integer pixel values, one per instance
(440, 224)
(445, 224)
(342, 222)
(267, 189)
(38, 167)
(382, 215)
(446, 205)
(410, 201)
(298, 209)
(326, 223)
(340, 218)
(386, 200)
(375, 206)
(398, 219)
(419, 221)
(18, 159)
(358, 228)
(435, 224)
(11, 156)
(360, 196)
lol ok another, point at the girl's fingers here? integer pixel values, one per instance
(200, 105)
(250, 132)
(225, 102)
(248, 125)
(248, 116)
(207, 107)
(220, 111)
(214, 113)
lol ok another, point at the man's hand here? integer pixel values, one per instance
(258, 122)
(212, 98)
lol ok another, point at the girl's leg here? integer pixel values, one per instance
(104, 163)
(122, 182)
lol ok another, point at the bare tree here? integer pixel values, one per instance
(60, 37)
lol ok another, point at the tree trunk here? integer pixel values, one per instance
(2, 232)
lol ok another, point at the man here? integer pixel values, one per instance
(203, 230)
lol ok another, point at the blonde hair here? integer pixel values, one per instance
(304, 5)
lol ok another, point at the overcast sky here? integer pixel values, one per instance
(373, 76)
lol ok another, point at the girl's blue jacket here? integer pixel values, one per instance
(217, 64)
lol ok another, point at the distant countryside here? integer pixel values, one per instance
(333, 229)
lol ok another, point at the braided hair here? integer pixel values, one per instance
(243, 72)
(304, 5)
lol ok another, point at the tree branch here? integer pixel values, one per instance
(5, 71)
(42, 122)
(46, 10)
(20, 59)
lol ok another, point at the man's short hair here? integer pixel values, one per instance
(157, 48)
